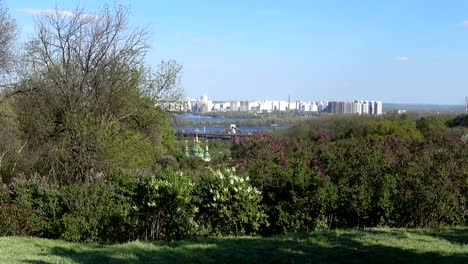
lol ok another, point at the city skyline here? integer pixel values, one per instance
(396, 51)
(292, 99)
(204, 105)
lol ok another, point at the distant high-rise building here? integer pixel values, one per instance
(314, 107)
(371, 108)
(235, 106)
(244, 106)
(332, 105)
(378, 105)
(348, 108)
(357, 107)
(365, 107)
(322, 106)
(466, 105)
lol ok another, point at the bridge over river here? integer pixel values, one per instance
(221, 132)
(216, 136)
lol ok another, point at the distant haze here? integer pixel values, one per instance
(424, 107)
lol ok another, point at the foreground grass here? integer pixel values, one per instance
(344, 246)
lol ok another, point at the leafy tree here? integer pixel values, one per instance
(461, 120)
(431, 126)
(401, 128)
(91, 102)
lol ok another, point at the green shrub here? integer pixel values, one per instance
(461, 120)
(40, 202)
(96, 212)
(18, 220)
(433, 189)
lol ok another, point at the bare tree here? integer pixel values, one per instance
(10, 144)
(89, 57)
(85, 67)
(163, 84)
(8, 34)
(85, 59)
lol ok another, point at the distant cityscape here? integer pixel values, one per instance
(205, 105)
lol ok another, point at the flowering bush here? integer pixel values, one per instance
(229, 204)
(164, 207)
(122, 207)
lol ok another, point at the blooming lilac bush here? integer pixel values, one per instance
(164, 206)
(229, 204)
(356, 182)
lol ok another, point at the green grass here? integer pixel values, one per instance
(380, 245)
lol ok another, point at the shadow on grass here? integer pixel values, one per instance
(452, 235)
(308, 248)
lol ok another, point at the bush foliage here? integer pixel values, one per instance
(118, 208)
(357, 182)
(279, 185)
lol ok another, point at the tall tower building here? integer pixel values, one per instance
(466, 105)
(378, 108)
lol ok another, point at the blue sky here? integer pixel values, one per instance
(402, 51)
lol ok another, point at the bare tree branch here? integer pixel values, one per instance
(8, 34)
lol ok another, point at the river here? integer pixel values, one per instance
(223, 128)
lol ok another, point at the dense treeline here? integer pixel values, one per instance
(402, 126)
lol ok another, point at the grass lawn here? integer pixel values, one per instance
(380, 245)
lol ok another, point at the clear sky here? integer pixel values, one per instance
(401, 51)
